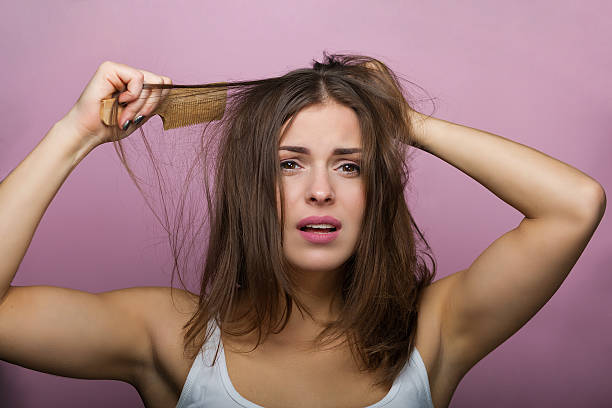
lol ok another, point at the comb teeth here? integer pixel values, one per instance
(180, 107)
(186, 107)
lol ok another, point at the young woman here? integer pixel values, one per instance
(308, 209)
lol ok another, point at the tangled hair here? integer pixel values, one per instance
(384, 277)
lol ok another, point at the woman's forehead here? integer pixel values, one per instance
(323, 126)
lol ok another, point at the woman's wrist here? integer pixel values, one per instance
(417, 126)
(76, 141)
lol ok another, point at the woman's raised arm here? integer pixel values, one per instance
(520, 271)
(63, 331)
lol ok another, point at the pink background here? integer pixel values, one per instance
(536, 72)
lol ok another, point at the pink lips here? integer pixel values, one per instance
(320, 237)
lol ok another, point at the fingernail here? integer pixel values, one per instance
(138, 119)
(126, 124)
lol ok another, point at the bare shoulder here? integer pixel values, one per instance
(430, 320)
(443, 377)
(165, 311)
(158, 303)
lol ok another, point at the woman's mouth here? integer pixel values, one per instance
(318, 235)
(319, 229)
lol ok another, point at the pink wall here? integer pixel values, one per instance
(537, 72)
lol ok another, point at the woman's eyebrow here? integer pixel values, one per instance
(338, 151)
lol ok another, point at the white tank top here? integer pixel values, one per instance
(210, 386)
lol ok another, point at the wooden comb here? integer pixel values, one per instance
(182, 106)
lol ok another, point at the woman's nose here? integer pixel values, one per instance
(320, 189)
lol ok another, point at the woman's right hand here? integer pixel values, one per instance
(84, 117)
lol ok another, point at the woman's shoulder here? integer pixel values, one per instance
(443, 377)
(166, 311)
(432, 304)
(167, 308)
(166, 300)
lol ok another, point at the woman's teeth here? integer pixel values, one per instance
(319, 228)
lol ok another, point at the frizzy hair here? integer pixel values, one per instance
(383, 279)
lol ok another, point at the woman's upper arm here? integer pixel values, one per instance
(510, 282)
(77, 334)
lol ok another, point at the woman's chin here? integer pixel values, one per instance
(315, 265)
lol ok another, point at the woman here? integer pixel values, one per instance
(308, 208)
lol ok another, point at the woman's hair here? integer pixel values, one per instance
(383, 279)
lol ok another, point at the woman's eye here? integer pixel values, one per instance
(352, 168)
(290, 163)
(349, 168)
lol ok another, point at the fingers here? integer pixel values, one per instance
(167, 81)
(133, 107)
(120, 75)
(141, 102)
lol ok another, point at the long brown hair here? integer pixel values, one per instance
(383, 279)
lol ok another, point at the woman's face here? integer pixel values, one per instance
(320, 181)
